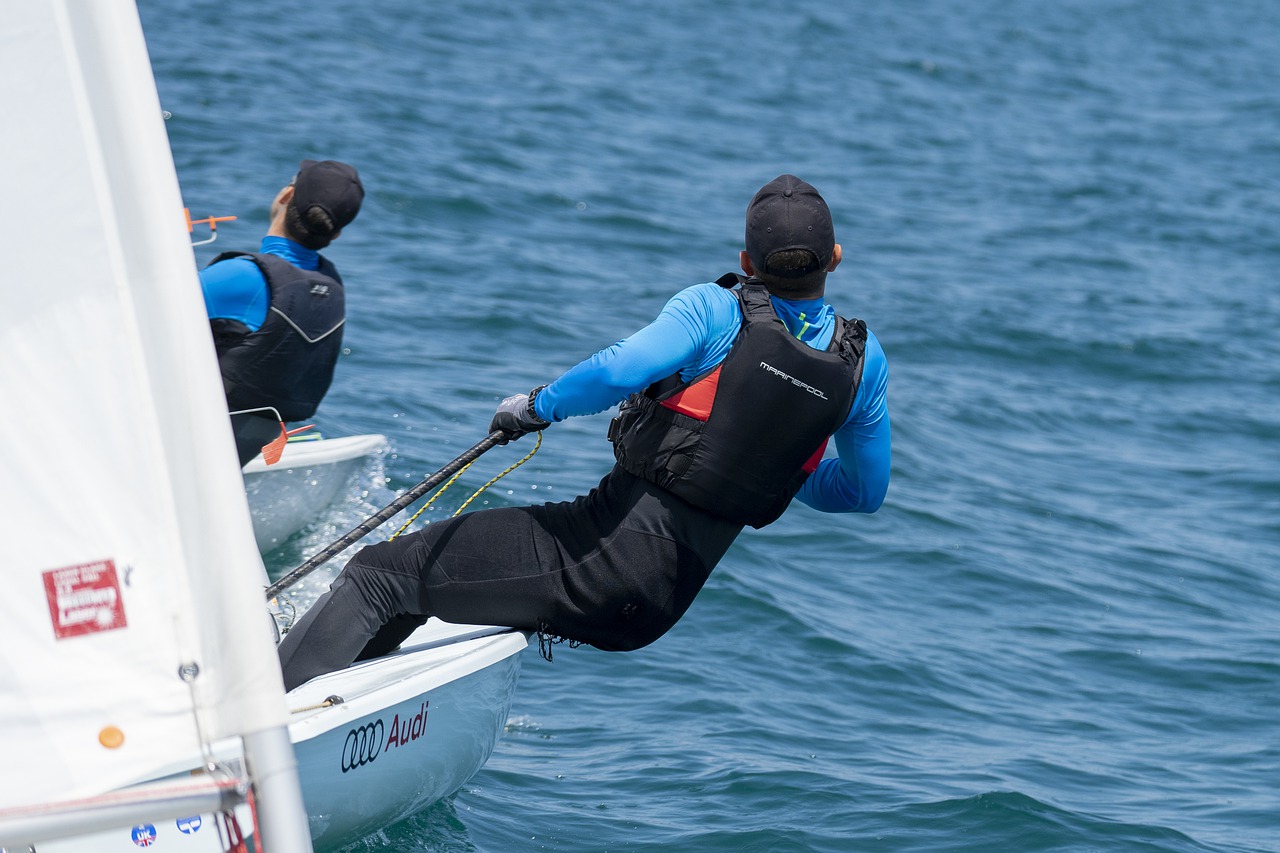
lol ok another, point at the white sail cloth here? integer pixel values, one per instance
(127, 556)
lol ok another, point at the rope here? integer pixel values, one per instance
(474, 494)
(276, 592)
(334, 548)
(329, 702)
(430, 501)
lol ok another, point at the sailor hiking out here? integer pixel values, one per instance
(729, 399)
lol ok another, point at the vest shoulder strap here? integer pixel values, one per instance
(226, 256)
(263, 260)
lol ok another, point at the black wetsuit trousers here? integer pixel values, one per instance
(615, 568)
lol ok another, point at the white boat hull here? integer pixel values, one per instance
(410, 729)
(292, 493)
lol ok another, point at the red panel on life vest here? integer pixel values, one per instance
(696, 400)
(812, 465)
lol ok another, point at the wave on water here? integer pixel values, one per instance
(993, 821)
(1061, 220)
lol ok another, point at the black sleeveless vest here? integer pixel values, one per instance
(740, 440)
(288, 362)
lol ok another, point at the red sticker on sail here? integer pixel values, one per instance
(84, 599)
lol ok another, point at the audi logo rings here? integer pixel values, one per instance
(362, 746)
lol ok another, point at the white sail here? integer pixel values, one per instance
(127, 558)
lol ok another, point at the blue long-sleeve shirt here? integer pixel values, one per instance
(235, 289)
(694, 333)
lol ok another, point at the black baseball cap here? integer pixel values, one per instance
(788, 213)
(331, 186)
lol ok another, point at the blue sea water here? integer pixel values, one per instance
(1063, 222)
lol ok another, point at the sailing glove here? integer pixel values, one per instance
(515, 416)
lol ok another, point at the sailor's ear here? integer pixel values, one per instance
(836, 256)
(745, 262)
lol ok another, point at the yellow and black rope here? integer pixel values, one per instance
(474, 494)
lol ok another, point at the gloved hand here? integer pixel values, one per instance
(515, 416)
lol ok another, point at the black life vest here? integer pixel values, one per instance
(740, 440)
(288, 362)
